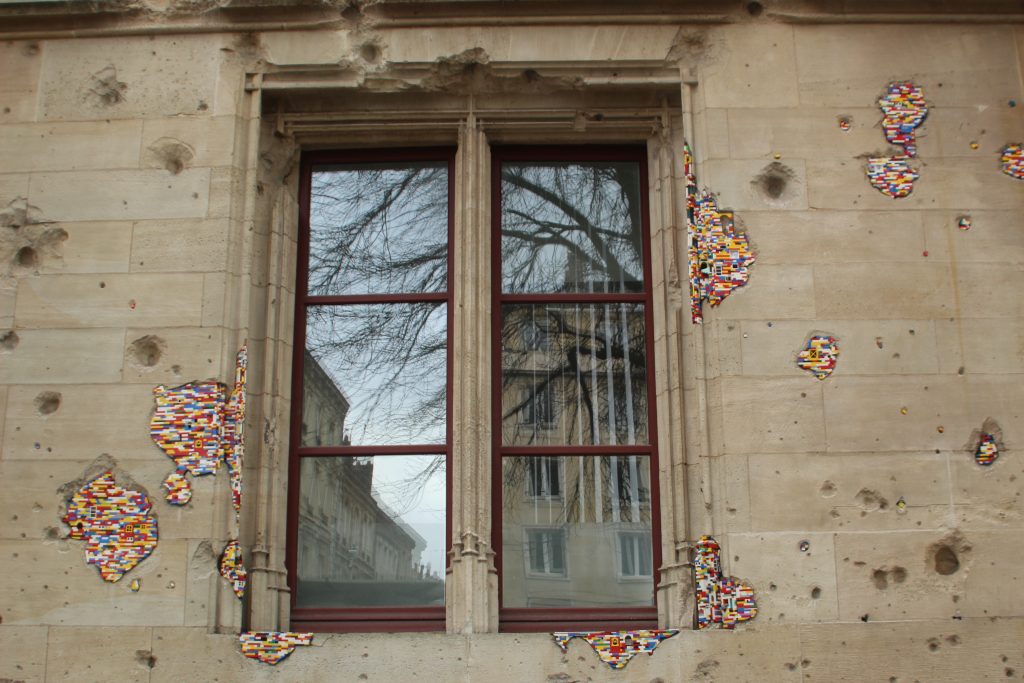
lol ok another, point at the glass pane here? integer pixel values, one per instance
(573, 374)
(379, 228)
(586, 541)
(571, 227)
(374, 374)
(371, 531)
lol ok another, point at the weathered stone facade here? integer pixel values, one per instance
(148, 221)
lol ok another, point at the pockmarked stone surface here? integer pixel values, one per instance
(115, 524)
(616, 648)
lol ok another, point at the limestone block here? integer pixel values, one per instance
(713, 136)
(227, 192)
(750, 653)
(106, 300)
(204, 580)
(871, 582)
(945, 183)
(99, 654)
(755, 66)
(530, 44)
(94, 247)
(951, 130)
(24, 649)
(180, 652)
(304, 47)
(771, 415)
(173, 355)
(804, 132)
(772, 293)
(850, 66)
(207, 141)
(7, 295)
(863, 414)
(725, 341)
(33, 507)
(89, 420)
(131, 77)
(58, 356)
(1001, 397)
(732, 472)
(987, 497)
(756, 184)
(871, 291)
(50, 583)
(972, 649)
(868, 347)
(214, 290)
(12, 186)
(981, 345)
(230, 87)
(20, 62)
(121, 195)
(71, 146)
(17, 106)
(995, 236)
(538, 658)
(180, 246)
(851, 492)
(783, 577)
(991, 291)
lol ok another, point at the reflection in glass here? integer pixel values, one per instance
(570, 227)
(379, 228)
(374, 374)
(588, 546)
(371, 531)
(586, 384)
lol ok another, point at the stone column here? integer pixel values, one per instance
(472, 583)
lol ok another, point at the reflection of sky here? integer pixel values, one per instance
(421, 506)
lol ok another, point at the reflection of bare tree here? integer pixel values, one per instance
(567, 228)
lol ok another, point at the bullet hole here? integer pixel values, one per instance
(880, 578)
(828, 489)
(933, 644)
(804, 663)
(47, 402)
(106, 90)
(103, 285)
(370, 53)
(898, 574)
(774, 180)
(353, 13)
(865, 618)
(755, 9)
(879, 343)
(772, 587)
(27, 258)
(9, 340)
(202, 106)
(946, 561)
(30, 49)
(815, 593)
(953, 639)
(706, 668)
(1008, 671)
(791, 666)
(145, 657)
(52, 533)
(870, 501)
(146, 351)
(173, 155)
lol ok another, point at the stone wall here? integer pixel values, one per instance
(148, 180)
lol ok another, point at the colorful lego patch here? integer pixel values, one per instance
(963, 222)
(719, 256)
(232, 569)
(904, 110)
(188, 425)
(115, 523)
(1012, 158)
(135, 585)
(819, 355)
(234, 424)
(197, 425)
(720, 600)
(270, 647)
(844, 124)
(616, 648)
(987, 451)
(179, 491)
(892, 176)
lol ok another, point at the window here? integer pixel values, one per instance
(573, 352)
(573, 451)
(368, 503)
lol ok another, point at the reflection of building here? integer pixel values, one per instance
(576, 531)
(352, 549)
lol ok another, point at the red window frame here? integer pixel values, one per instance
(531, 619)
(361, 619)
